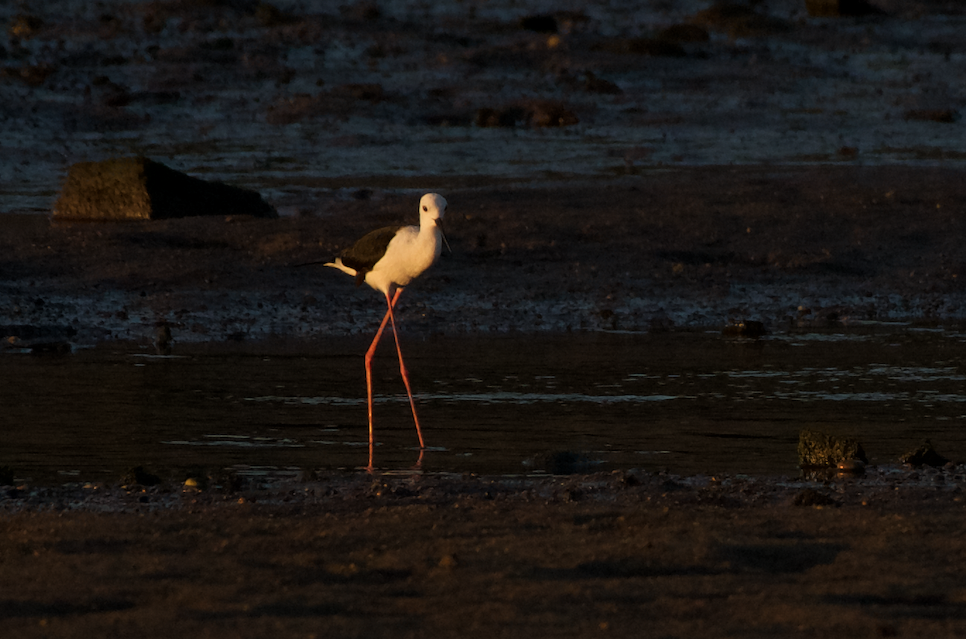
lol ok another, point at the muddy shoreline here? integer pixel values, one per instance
(476, 556)
(701, 247)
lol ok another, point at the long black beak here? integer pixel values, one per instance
(439, 225)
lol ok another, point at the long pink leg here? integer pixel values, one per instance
(369, 355)
(402, 368)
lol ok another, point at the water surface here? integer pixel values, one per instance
(689, 402)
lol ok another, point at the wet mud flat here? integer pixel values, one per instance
(581, 556)
(684, 248)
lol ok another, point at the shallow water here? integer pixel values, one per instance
(687, 402)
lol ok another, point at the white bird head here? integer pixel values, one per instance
(432, 207)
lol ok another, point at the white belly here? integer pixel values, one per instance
(407, 256)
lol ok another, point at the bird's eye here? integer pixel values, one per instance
(425, 208)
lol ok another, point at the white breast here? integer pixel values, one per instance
(407, 256)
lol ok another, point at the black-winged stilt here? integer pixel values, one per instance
(388, 259)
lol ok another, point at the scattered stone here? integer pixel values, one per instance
(38, 340)
(745, 328)
(656, 47)
(570, 21)
(142, 189)
(945, 116)
(449, 119)
(565, 462)
(840, 8)
(821, 450)
(268, 15)
(24, 26)
(539, 24)
(550, 113)
(31, 75)
(812, 497)
(739, 21)
(341, 100)
(536, 113)
(51, 348)
(26, 335)
(162, 339)
(363, 11)
(382, 488)
(368, 91)
(488, 117)
(684, 33)
(593, 84)
(306, 475)
(848, 152)
(924, 455)
(138, 475)
(295, 108)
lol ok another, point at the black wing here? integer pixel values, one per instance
(364, 254)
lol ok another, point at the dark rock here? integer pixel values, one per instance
(489, 117)
(162, 339)
(739, 21)
(550, 113)
(6, 476)
(539, 24)
(536, 113)
(268, 15)
(306, 475)
(340, 100)
(812, 497)
(945, 116)
(562, 462)
(363, 11)
(684, 33)
(368, 91)
(593, 84)
(24, 26)
(848, 152)
(924, 455)
(51, 348)
(656, 47)
(295, 108)
(27, 333)
(142, 189)
(138, 475)
(39, 340)
(449, 119)
(821, 450)
(31, 75)
(746, 328)
(840, 8)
